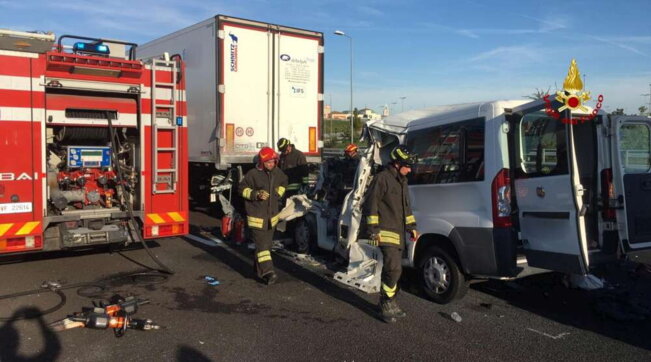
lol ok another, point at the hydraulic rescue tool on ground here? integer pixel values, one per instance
(116, 315)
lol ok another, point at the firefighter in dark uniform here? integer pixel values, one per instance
(262, 188)
(294, 164)
(389, 217)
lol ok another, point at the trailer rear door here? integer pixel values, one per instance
(246, 94)
(298, 64)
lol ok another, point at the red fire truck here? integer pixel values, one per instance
(93, 143)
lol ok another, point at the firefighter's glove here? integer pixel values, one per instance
(374, 240)
(262, 195)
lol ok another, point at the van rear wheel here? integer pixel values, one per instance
(440, 276)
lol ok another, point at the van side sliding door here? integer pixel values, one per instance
(548, 193)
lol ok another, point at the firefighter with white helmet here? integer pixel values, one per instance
(262, 188)
(389, 217)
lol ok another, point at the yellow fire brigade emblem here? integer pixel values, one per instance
(572, 96)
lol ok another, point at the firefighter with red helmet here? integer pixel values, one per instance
(262, 189)
(350, 152)
(389, 217)
(294, 163)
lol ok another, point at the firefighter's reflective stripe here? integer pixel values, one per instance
(274, 221)
(246, 193)
(293, 187)
(388, 291)
(157, 219)
(27, 228)
(264, 256)
(4, 228)
(255, 222)
(410, 219)
(306, 180)
(373, 220)
(389, 237)
(176, 216)
(281, 191)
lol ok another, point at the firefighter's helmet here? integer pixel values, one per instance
(282, 144)
(402, 156)
(267, 154)
(350, 149)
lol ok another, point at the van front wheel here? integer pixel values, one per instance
(440, 277)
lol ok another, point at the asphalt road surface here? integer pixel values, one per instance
(305, 316)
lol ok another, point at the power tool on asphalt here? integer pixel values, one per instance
(116, 315)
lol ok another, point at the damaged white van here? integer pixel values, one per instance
(501, 188)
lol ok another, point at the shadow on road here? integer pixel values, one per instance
(613, 312)
(189, 354)
(10, 338)
(240, 259)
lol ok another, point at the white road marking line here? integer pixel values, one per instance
(549, 335)
(209, 242)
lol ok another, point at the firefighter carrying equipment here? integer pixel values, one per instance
(388, 208)
(403, 157)
(294, 164)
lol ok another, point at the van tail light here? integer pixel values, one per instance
(607, 194)
(501, 193)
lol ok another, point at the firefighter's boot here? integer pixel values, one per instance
(397, 312)
(270, 278)
(386, 310)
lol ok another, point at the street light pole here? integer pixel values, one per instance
(649, 95)
(352, 114)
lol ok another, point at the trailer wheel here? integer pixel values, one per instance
(440, 276)
(304, 235)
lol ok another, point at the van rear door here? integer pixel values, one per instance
(631, 169)
(548, 195)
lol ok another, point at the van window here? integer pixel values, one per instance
(448, 153)
(541, 146)
(634, 141)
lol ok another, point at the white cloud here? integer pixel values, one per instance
(510, 54)
(618, 44)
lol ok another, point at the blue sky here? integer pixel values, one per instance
(431, 52)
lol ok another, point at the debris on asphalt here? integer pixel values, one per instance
(211, 281)
(585, 282)
(455, 317)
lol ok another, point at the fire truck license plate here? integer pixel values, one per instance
(15, 207)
